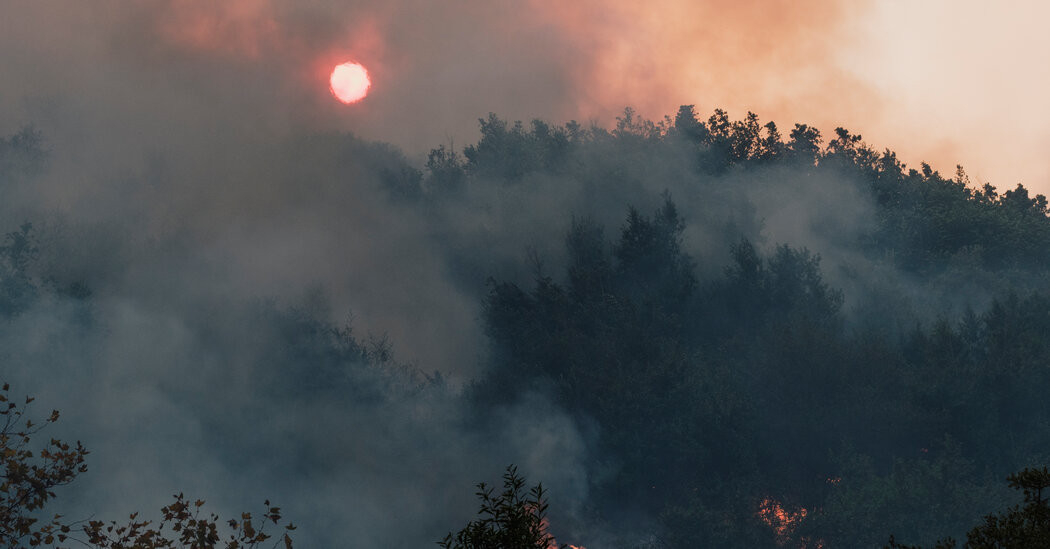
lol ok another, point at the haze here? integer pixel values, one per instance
(236, 286)
(947, 82)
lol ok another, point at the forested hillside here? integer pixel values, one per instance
(696, 332)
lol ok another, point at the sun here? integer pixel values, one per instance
(349, 82)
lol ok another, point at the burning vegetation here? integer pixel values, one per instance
(675, 319)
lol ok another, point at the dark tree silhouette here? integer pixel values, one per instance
(512, 519)
(31, 476)
(1024, 526)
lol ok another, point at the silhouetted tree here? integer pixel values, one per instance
(447, 171)
(1024, 526)
(688, 127)
(29, 478)
(18, 288)
(512, 519)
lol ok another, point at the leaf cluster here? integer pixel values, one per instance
(1024, 526)
(30, 478)
(183, 526)
(511, 519)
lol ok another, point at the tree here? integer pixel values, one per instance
(18, 251)
(805, 142)
(28, 483)
(447, 172)
(651, 263)
(1026, 527)
(22, 155)
(746, 139)
(510, 520)
(30, 477)
(771, 146)
(688, 127)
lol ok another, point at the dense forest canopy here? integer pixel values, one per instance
(696, 332)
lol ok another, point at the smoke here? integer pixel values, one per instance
(194, 186)
(263, 66)
(899, 73)
(203, 184)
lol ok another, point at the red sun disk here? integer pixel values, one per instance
(349, 82)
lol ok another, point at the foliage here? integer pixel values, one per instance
(30, 478)
(925, 219)
(511, 151)
(699, 384)
(187, 529)
(715, 376)
(18, 289)
(22, 154)
(511, 519)
(633, 341)
(447, 173)
(1021, 527)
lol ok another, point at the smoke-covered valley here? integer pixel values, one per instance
(316, 319)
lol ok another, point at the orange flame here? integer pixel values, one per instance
(784, 522)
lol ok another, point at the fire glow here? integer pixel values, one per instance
(785, 522)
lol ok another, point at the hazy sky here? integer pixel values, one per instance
(947, 81)
(182, 187)
(962, 82)
(944, 81)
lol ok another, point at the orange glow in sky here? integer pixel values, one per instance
(350, 82)
(943, 81)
